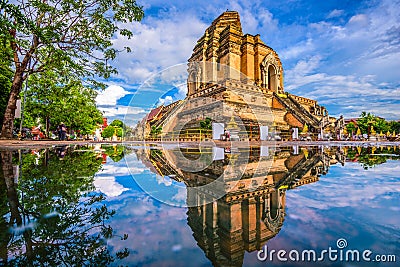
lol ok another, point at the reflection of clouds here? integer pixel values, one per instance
(112, 169)
(165, 180)
(181, 195)
(134, 165)
(105, 179)
(349, 202)
(155, 230)
(158, 233)
(108, 186)
(352, 186)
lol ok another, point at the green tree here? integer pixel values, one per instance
(351, 128)
(108, 132)
(394, 126)
(60, 99)
(62, 35)
(119, 131)
(206, 124)
(381, 125)
(155, 131)
(115, 152)
(120, 127)
(365, 121)
(117, 123)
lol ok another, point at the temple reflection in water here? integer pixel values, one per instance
(236, 198)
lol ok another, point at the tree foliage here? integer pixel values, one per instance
(369, 157)
(115, 152)
(351, 128)
(117, 123)
(5, 77)
(60, 99)
(108, 132)
(367, 120)
(62, 35)
(155, 131)
(206, 124)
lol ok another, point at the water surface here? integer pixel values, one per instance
(115, 205)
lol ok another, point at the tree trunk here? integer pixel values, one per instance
(9, 114)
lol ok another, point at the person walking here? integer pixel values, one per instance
(59, 132)
(63, 132)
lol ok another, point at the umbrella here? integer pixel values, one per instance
(388, 134)
(358, 131)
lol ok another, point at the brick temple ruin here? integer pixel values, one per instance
(236, 79)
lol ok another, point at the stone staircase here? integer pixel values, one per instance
(169, 114)
(298, 111)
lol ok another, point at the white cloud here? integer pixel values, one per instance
(112, 169)
(351, 65)
(354, 93)
(297, 50)
(181, 196)
(165, 180)
(359, 20)
(108, 186)
(122, 110)
(165, 101)
(158, 42)
(335, 13)
(110, 95)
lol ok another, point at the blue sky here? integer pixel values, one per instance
(345, 54)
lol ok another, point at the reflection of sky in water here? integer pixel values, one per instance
(359, 205)
(158, 233)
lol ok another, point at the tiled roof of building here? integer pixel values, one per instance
(153, 114)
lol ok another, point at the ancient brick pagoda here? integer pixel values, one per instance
(235, 77)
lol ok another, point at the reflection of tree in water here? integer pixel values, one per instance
(49, 217)
(371, 156)
(115, 152)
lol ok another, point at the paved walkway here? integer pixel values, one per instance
(44, 143)
(16, 144)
